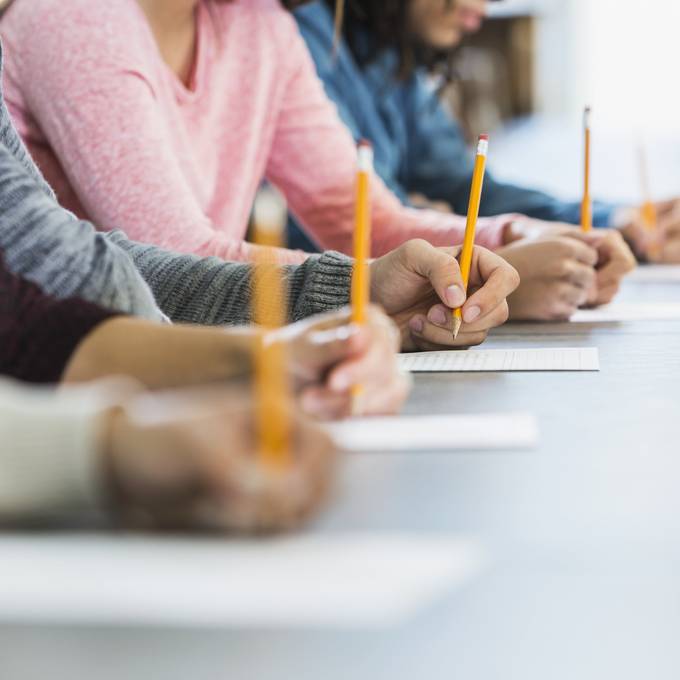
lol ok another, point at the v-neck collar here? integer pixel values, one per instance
(187, 94)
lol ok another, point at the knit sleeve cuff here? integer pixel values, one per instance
(322, 284)
(49, 453)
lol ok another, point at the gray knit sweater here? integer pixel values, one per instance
(67, 257)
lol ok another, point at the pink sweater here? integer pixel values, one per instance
(127, 145)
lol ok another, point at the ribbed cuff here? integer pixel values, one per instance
(49, 454)
(321, 284)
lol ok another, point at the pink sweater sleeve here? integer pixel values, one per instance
(97, 110)
(314, 160)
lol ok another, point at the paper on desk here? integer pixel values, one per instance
(655, 273)
(355, 580)
(437, 433)
(624, 311)
(555, 359)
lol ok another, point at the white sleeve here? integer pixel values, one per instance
(48, 447)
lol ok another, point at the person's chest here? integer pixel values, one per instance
(376, 100)
(222, 126)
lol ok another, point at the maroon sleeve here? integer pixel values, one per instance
(39, 333)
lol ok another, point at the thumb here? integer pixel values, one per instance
(666, 206)
(440, 267)
(592, 238)
(322, 350)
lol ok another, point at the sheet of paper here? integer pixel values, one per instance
(353, 580)
(624, 311)
(655, 273)
(437, 433)
(553, 359)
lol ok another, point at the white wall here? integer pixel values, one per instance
(633, 53)
(622, 56)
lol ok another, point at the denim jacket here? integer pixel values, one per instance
(419, 148)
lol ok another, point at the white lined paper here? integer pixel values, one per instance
(361, 580)
(437, 433)
(655, 273)
(629, 311)
(501, 360)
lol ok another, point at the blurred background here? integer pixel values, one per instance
(527, 75)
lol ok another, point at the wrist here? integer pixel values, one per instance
(520, 227)
(113, 437)
(236, 350)
(513, 231)
(626, 221)
(90, 359)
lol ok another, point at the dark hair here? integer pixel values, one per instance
(387, 22)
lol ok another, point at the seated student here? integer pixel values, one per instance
(379, 81)
(416, 284)
(46, 340)
(164, 459)
(182, 110)
(179, 461)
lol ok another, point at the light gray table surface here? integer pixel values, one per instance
(583, 535)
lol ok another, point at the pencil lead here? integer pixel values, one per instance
(457, 323)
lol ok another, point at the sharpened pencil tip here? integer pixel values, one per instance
(457, 323)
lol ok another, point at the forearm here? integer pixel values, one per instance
(162, 356)
(192, 289)
(438, 228)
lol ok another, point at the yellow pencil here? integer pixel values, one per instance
(362, 245)
(648, 212)
(272, 389)
(587, 205)
(471, 225)
(339, 22)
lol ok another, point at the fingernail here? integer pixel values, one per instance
(471, 313)
(416, 324)
(437, 316)
(310, 404)
(455, 296)
(339, 334)
(340, 382)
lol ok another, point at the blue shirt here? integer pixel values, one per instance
(419, 148)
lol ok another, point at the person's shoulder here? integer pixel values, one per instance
(263, 22)
(315, 14)
(64, 23)
(316, 23)
(52, 14)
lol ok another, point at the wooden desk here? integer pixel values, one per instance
(583, 535)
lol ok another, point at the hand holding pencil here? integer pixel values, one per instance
(648, 210)
(362, 247)
(587, 203)
(419, 285)
(471, 225)
(272, 388)
(337, 363)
